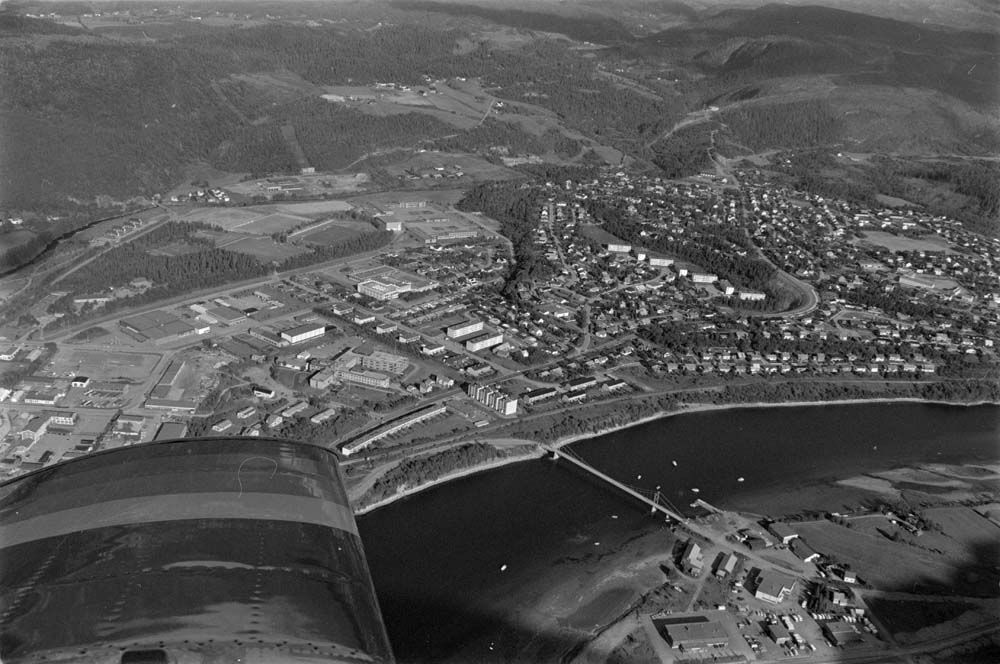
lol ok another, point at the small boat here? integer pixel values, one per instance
(674, 462)
(638, 477)
(695, 489)
(739, 479)
(503, 568)
(614, 516)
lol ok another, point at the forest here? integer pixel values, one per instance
(513, 205)
(583, 28)
(790, 125)
(421, 470)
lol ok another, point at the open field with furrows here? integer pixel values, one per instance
(898, 566)
(312, 208)
(103, 365)
(899, 243)
(178, 248)
(225, 218)
(273, 223)
(333, 233)
(263, 248)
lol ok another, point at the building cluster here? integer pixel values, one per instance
(494, 398)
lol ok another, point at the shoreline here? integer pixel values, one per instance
(448, 477)
(696, 408)
(709, 407)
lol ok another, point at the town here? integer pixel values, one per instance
(650, 286)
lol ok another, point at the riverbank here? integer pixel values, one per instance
(710, 407)
(684, 410)
(454, 475)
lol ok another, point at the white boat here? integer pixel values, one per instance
(695, 489)
(674, 462)
(739, 479)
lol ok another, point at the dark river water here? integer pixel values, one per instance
(435, 557)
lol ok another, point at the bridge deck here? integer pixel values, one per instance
(577, 461)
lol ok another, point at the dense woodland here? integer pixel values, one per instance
(514, 206)
(791, 125)
(421, 470)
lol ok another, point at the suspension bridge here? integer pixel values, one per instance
(655, 499)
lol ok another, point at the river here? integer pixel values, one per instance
(436, 557)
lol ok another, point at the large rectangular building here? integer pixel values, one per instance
(380, 290)
(484, 341)
(462, 329)
(301, 333)
(161, 327)
(378, 360)
(692, 633)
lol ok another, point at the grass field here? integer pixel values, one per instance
(178, 248)
(89, 335)
(313, 207)
(899, 243)
(903, 616)
(263, 248)
(226, 218)
(333, 233)
(894, 566)
(273, 223)
(12, 239)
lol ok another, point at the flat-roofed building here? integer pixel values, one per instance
(484, 341)
(693, 633)
(377, 360)
(380, 290)
(463, 329)
(840, 633)
(302, 333)
(170, 431)
(66, 418)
